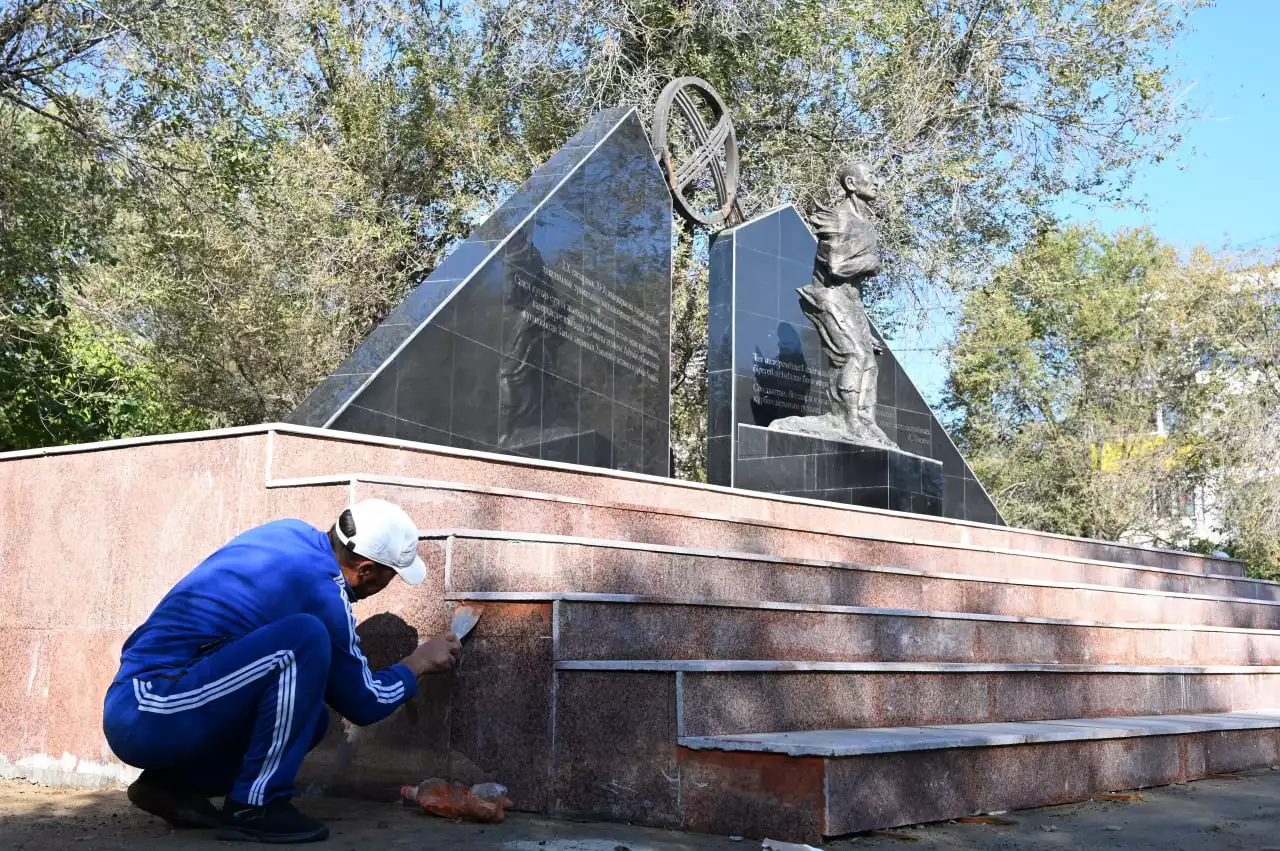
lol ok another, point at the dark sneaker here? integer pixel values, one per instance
(151, 792)
(279, 821)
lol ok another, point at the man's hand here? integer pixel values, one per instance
(434, 655)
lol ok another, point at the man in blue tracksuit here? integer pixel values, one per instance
(223, 690)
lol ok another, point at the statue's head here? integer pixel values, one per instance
(856, 179)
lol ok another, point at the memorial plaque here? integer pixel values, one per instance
(546, 334)
(765, 361)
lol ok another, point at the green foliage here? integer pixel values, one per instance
(73, 382)
(63, 377)
(1096, 377)
(240, 192)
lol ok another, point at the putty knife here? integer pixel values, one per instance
(464, 620)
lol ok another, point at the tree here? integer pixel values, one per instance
(284, 173)
(1242, 435)
(978, 113)
(1097, 374)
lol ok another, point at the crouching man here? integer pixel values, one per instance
(223, 690)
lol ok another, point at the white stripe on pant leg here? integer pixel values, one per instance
(146, 704)
(145, 689)
(169, 704)
(291, 683)
(286, 690)
(151, 702)
(199, 696)
(288, 684)
(277, 729)
(216, 684)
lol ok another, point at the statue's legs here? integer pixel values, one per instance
(853, 386)
(847, 340)
(868, 373)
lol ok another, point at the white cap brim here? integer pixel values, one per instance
(415, 573)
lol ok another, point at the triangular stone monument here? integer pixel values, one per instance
(545, 334)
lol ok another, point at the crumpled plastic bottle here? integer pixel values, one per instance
(485, 802)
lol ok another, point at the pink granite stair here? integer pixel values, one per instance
(834, 782)
(501, 492)
(623, 627)
(658, 651)
(666, 658)
(739, 663)
(497, 565)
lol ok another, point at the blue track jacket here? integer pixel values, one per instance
(279, 569)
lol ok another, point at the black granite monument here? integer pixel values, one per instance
(547, 333)
(766, 362)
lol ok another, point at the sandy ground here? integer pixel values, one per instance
(1237, 812)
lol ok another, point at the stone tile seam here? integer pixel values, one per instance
(757, 666)
(910, 740)
(271, 453)
(834, 609)
(599, 472)
(733, 348)
(880, 740)
(733, 231)
(129, 442)
(448, 566)
(551, 740)
(679, 703)
(557, 612)
(828, 818)
(478, 534)
(488, 490)
(533, 211)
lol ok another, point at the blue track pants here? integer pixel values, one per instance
(237, 721)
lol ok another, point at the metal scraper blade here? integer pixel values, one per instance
(464, 620)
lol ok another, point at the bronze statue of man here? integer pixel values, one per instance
(833, 302)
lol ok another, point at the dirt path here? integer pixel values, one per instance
(34, 818)
(1241, 812)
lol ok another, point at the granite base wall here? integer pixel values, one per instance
(92, 537)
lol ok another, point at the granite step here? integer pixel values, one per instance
(480, 564)
(729, 697)
(602, 627)
(502, 493)
(539, 514)
(986, 566)
(803, 786)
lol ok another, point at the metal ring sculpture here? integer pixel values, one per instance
(711, 143)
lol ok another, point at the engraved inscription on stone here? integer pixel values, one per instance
(787, 387)
(596, 319)
(915, 439)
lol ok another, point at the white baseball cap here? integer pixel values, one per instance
(384, 533)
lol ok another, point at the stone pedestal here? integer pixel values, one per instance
(837, 471)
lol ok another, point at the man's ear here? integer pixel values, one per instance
(364, 568)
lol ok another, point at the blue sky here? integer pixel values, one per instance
(1222, 185)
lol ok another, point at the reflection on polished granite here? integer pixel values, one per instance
(546, 334)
